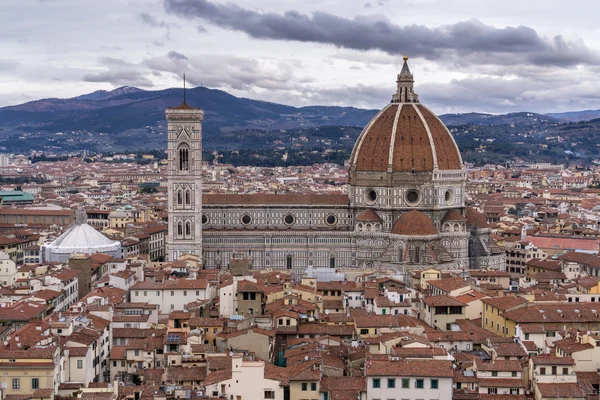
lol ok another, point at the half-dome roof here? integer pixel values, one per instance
(453, 215)
(368, 216)
(475, 218)
(414, 223)
(405, 136)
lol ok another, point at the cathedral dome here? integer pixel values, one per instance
(414, 223)
(405, 136)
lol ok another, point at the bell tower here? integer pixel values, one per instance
(184, 174)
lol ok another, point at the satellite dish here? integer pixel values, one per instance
(306, 358)
(327, 312)
(4, 385)
(231, 354)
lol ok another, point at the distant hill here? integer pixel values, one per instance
(107, 94)
(129, 118)
(131, 108)
(493, 119)
(128, 107)
(576, 116)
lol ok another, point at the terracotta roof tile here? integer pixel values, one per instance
(510, 350)
(505, 303)
(443, 301)
(368, 216)
(418, 368)
(448, 285)
(475, 218)
(560, 390)
(414, 222)
(453, 215)
(501, 382)
(552, 360)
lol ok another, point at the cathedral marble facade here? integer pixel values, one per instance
(405, 206)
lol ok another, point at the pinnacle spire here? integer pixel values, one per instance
(405, 70)
(405, 92)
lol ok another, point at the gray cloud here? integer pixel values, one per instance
(120, 76)
(510, 95)
(8, 64)
(363, 96)
(112, 61)
(177, 56)
(231, 72)
(151, 21)
(483, 43)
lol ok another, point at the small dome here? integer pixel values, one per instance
(475, 218)
(414, 223)
(368, 216)
(454, 216)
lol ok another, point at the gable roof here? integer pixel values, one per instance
(416, 368)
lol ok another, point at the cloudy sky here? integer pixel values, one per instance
(466, 55)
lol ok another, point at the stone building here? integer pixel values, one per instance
(405, 206)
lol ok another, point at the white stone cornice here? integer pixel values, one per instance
(393, 138)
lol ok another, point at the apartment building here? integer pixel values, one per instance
(172, 294)
(409, 379)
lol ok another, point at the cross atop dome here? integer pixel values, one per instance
(405, 91)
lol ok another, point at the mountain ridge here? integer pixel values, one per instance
(254, 113)
(129, 118)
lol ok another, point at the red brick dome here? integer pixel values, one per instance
(405, 137)
(414, 223)
(475, 218)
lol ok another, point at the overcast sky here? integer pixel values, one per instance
(466, 55)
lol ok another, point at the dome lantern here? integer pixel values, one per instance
(405, 86)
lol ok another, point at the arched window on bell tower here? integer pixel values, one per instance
(179, 198)
(188, 229)
(184, 154)
(188, 198)
(180, 228)
(288, 262)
